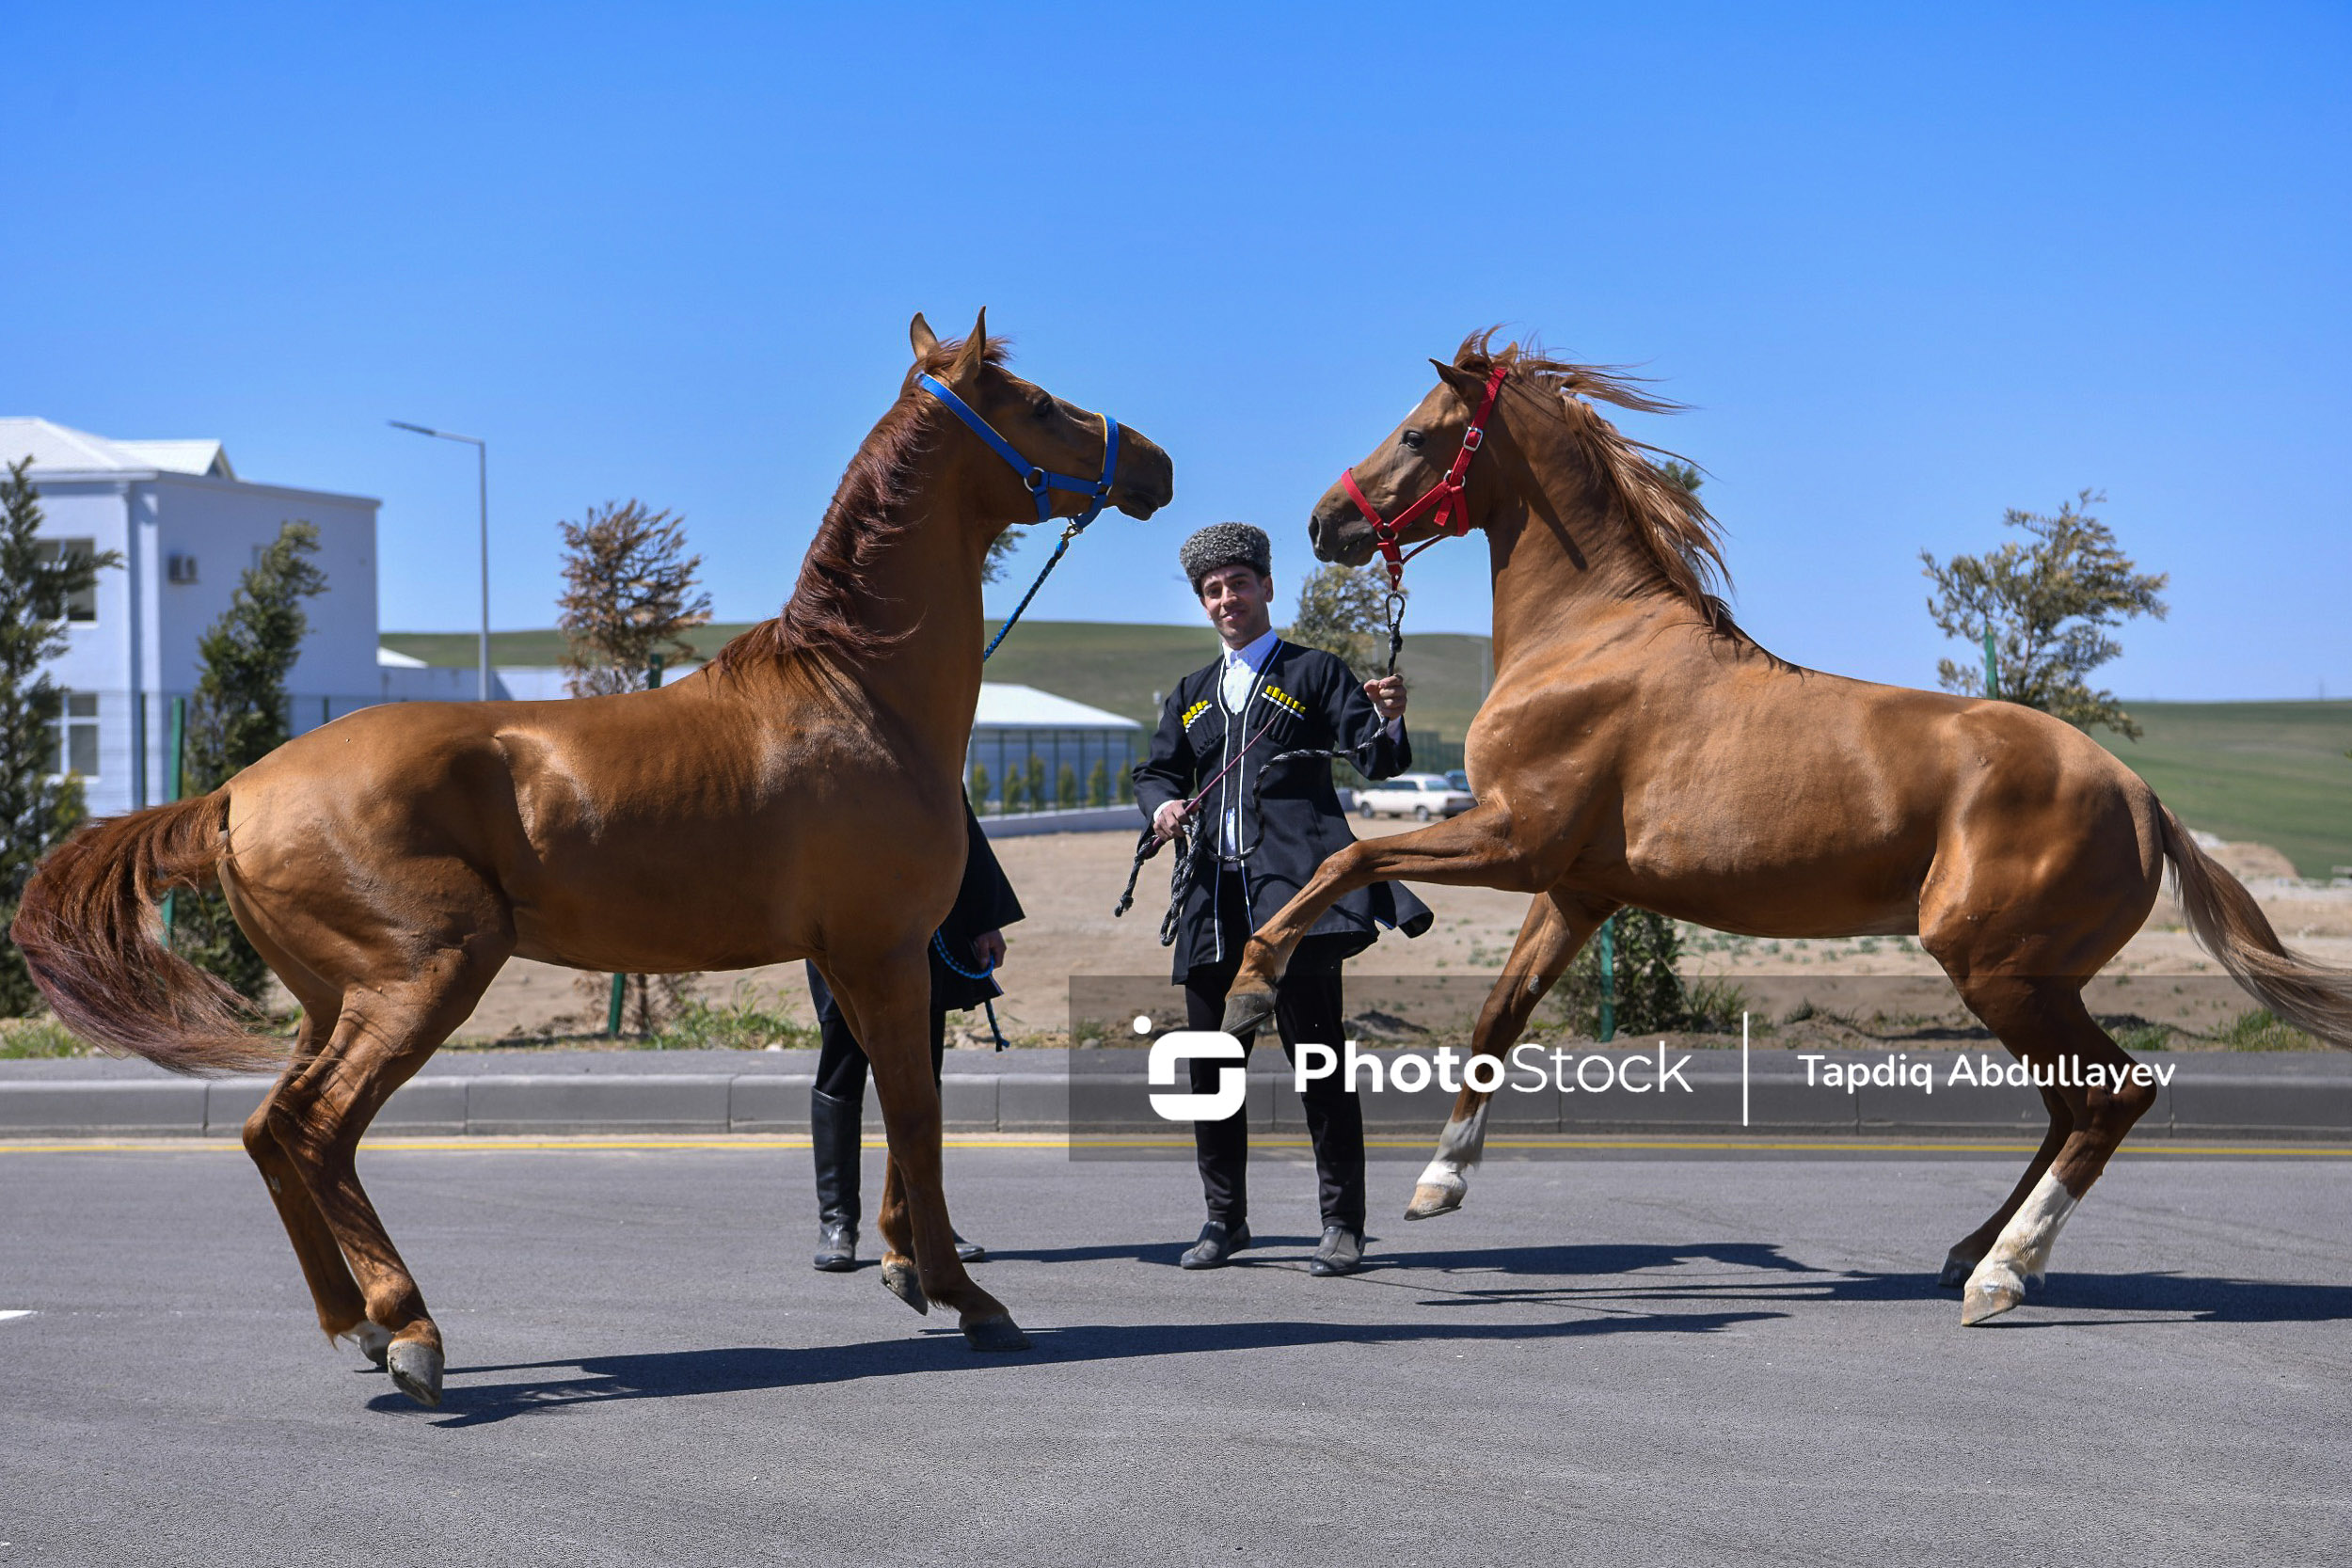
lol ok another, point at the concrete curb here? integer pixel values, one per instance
(2302, 1099)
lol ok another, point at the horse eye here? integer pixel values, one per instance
(1411, 440)
(1042, 406)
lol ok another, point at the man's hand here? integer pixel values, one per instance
(1387, 695)
(1170, 816)
(989, 947)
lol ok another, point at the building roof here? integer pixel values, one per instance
(59, 449)
(1024, 708)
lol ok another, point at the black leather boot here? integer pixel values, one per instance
(834, 1134)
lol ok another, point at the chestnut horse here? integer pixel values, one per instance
(799, 797)
(1638, 749)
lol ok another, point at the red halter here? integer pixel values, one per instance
(1443, 498)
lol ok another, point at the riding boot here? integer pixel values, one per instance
(834, 1133)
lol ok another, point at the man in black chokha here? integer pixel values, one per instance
(1256, 835)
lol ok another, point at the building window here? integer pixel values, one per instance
(180, 568)
(82, 605)
(77, 735)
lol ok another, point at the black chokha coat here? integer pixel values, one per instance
(1287, 813)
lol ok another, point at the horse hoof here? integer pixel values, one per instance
(1246, 1009)
(1993, 1290)
(416, 1369)
(1958, 1266)
(899, 1279)
(1431, 1198)
(997, 1333)
(375, 1342)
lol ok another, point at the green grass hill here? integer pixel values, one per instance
(2273, 773)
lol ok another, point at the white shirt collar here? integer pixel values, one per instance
(1256, 653)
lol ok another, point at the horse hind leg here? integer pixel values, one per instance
(2043, 1021)
(319, 1113)
(336, 1295)
(1554, 929)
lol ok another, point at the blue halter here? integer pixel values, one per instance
(1041, 482)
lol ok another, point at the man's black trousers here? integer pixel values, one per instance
(1307, 1007)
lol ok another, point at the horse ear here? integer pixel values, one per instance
(1469, 383)
(974, 351)
(919, 333)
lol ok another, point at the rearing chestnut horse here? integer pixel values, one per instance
(1637, 748)
(800, 796)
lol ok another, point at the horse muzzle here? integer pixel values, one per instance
(1146, 479)
(1339, 530)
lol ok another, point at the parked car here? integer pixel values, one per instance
(1419, 796)
(1460, 781)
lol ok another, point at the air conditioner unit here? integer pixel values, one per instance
(180, 568)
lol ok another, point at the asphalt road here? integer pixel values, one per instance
(1612, 1360)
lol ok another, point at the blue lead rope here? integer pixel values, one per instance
(939, 945)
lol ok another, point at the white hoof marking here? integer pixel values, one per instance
(2022, 1251)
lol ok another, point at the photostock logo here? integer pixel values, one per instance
(1179, 1046)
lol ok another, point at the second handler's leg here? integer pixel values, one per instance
(836, 1111)
(1221, 1149)
(1309, 1008)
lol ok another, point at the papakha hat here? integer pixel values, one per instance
(1225, 544)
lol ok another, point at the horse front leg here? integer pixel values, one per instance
(887, 1002)
(1474, 850)
(1558, 924)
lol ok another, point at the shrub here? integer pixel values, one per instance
(1650, 996)
(2262, 1030)
(38, 1037)
(742, 1023)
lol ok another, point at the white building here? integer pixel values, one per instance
(1015, 723)
(188, 528)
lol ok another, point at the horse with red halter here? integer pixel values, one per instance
(799, 797)
(1637, 748)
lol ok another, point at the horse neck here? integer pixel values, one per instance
(1572, 561)
(924, 601)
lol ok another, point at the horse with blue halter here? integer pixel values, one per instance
(800, 796)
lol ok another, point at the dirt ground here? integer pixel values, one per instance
(1068, 882)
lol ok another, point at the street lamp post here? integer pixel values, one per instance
(482, 455)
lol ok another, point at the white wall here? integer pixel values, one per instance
(141, 651)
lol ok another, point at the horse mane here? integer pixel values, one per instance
(827, 611)
(1671, 524)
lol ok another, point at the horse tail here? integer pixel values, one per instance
(2232, 926)
(83, 928)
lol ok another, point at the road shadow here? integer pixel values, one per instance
(1162, 1253)
(673, 1374)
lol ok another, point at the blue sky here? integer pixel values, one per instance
(1909, 270)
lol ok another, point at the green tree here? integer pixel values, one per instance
(1066, 788)
(2049, 601)
(36, 807)
(1033, 784)
(238, 717)
(979, 787)
(1099, 785)
(629, 594)
(1646, 978)
(1344, 610)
